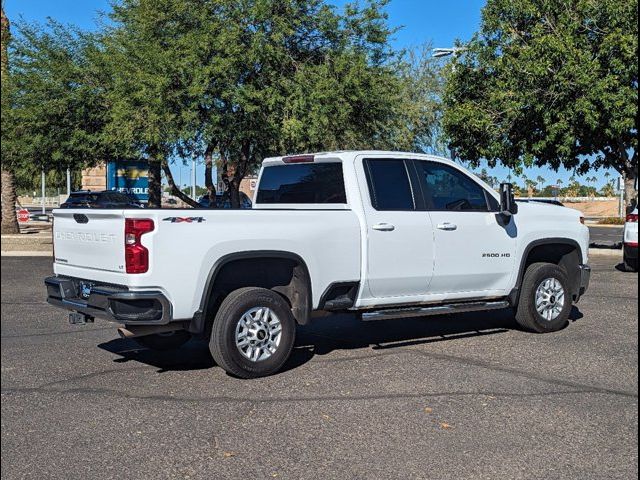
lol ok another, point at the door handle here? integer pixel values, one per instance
(384, 227)
(447, 226)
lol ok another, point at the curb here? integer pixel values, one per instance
(26, 253)
(22, 236)
(605, 252)
(588, 224)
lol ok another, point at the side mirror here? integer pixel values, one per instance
(508, 205)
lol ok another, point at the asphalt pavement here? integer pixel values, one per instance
(606, 235)
(452, 397)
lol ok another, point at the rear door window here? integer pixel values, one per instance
(308, 183)
(389, 185)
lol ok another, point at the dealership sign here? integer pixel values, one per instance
(129, 177)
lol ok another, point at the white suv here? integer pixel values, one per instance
(630, 241)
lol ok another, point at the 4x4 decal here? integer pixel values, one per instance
(184, 219)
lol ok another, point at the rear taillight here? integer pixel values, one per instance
(632, 218)
(136, 255)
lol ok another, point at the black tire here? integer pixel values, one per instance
(527, 315)
(223, 346)
(630, 264)
(164, 341)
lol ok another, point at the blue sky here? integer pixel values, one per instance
(436, 21)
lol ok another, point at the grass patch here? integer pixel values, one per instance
(611, 221)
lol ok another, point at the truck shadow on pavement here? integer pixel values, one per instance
(336, 332)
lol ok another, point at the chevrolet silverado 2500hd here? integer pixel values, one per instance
(382, 234)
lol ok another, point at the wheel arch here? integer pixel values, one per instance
(222, 279)
(564, 252)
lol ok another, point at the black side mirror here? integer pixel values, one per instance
(508, 205)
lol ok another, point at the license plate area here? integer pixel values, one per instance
(84, 289)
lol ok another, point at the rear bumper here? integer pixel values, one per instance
(111, 302)
(585, 278)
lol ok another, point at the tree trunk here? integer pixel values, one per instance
(628, 168)
(9, 217)
(234, 193)
(174, 188)
(155, 183)
(630, 192)
(208, 176)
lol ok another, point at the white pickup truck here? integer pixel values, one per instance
(381, 234)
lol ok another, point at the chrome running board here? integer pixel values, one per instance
(435, 310)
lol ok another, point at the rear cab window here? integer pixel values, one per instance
(314, 183)
(389, 185)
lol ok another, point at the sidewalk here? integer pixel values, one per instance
(34, 240)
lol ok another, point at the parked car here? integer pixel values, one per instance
(630, 241)
(101, 199)
(383, 235)
(223, 201)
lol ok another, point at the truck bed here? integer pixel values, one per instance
(185, 246)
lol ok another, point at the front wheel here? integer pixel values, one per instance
(545, 300)
(253, 333)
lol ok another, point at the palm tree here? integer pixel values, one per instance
(9, 223)
(592, 190)
(608, 190)
(541, 181)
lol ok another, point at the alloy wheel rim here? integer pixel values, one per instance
(258, 334)
(550, 299)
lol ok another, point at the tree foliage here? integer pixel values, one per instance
(53, 112)
(231, 80)
(549, 83)
(242, 80)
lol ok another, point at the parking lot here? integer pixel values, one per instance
(466, 396)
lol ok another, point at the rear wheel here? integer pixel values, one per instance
(253, 333)
(630, 264)
(545, 300)
(164, 341)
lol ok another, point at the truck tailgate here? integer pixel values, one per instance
(89, 238)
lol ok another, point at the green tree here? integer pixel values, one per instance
(296, 76)
(147, 55)
(53, 114)
(237, 81)
(549, 83)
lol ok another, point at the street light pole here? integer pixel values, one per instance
(43, 192)
(68, 182)
(621, 182)
(193, 176)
